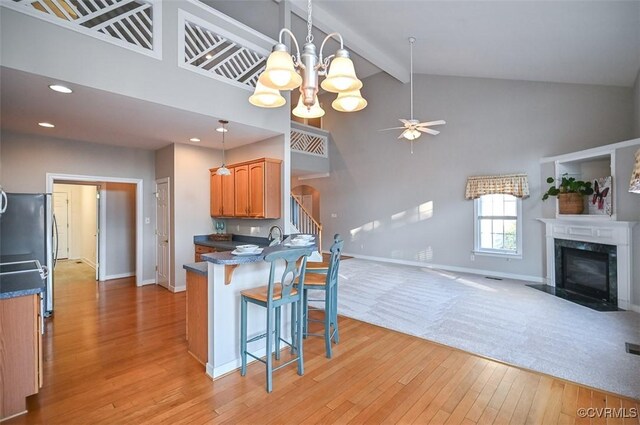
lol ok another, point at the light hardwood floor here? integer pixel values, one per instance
(116, 354)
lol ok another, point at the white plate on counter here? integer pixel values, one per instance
(299, 245)
(247, 254)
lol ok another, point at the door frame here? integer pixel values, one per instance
(169, 264)
(51, 177)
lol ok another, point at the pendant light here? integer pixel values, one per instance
(223, 170)
(286, 72)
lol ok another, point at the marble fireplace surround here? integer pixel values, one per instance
(599, 231)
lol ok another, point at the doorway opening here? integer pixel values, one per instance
(118, 228)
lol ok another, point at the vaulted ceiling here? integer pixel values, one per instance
(589, 42)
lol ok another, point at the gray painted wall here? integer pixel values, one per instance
(382, 195)
(636, 103)
(87, 61)
(120, 229)
(191, 208)
(27, 159)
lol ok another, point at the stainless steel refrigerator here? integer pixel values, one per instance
(27, 230)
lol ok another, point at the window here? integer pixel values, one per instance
(498, 225)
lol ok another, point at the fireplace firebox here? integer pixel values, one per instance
(587, 269)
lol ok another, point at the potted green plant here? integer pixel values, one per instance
(570, 193)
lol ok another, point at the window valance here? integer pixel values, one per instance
(508, 184)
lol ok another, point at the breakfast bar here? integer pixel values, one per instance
(228, 275)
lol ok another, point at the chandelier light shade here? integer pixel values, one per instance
(223, 170)
(280, 73)
(302, 111)
(411, 134)
(342, 75)
(303, 70)
(634, 185)
(266, 97)
(350, 101)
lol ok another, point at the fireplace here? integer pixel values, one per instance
(587, 269)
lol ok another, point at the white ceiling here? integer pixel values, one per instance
(590, 42)
(102, 117)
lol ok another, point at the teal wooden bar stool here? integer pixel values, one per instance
(327, 282)
(273, 297)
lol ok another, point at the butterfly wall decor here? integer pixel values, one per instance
(600, 202)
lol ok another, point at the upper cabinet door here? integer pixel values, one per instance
(216, 195)
(242, 191)
(256, 190)
(228, 194)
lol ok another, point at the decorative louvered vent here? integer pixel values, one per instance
(305, 142)
(214, 54)
(129, 21)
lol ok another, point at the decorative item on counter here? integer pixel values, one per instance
(634, 185)
(220, 236)
(219, 226)
(600, 202)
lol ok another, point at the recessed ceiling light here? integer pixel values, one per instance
(46, 124)
(222, 129)
(194, 139)
(60, 89)
(209, 56)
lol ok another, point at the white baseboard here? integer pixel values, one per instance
(177, 288)
(89, 263)
(119, 276)
(217, 372)
(148, 282)
(634, 307)
(492, 273)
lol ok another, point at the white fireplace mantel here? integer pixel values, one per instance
(609, 232)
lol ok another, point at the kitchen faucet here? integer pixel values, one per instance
(273, 240)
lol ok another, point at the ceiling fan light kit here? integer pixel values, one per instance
(303, 70)
(413, 128)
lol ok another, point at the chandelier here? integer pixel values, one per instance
(287, 72)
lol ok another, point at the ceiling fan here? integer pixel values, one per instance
(413, 128)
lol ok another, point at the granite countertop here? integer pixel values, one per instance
(199, 268)
(21, 284)
(232, 244)
(227, 258)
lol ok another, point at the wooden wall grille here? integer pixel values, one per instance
(213, 53)
(309, 143)
(129, 21)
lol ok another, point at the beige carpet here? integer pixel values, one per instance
(505, 320)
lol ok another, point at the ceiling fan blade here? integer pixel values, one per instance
(406, 122)
(401, 135)
(438, 122)
(392, 128)
(428, 130)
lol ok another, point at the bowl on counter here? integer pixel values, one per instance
(247, 248)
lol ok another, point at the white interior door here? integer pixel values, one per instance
(97, 259)
(61, 211)
(163, 254)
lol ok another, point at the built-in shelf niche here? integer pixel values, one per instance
(587, 168)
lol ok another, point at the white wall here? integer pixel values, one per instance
(377, 187)
(120, 230)
(27, 159)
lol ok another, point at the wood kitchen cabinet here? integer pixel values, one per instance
(202, 249)
(254, 191)
(197, 320)
(222, 194)
(20, 353)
